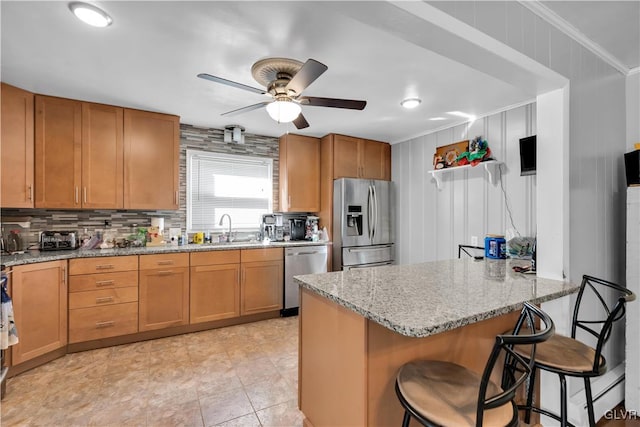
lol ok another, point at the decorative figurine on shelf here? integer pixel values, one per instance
(438, 162)
(479, 151)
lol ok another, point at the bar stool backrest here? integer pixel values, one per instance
(538, 327)
(600, 327)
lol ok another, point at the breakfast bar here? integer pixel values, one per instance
(358, 327)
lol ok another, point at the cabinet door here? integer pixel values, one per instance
(299, 173)
(262, 287)
(40, 309)
(102, 156)
(58, 146)
(17, 147)
(375, 158)
(215, 292)
(164, 298)
(151, 156)
(345, 157)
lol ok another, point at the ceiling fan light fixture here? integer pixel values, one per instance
(90, 14)
(283, 110)
(410, 103)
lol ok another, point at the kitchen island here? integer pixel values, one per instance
(358, 327)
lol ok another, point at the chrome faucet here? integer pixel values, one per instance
(220, 223)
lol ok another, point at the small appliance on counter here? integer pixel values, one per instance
(58, 240)
(271, 227)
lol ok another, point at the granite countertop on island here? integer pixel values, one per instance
(419, 300)
(35, 256)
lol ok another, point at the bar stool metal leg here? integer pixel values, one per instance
(563, 400)
(530, 391)
(587, 389)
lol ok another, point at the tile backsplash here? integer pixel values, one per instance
(123, 221)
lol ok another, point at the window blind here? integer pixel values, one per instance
(219, 184)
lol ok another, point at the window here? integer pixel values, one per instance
(219, 184)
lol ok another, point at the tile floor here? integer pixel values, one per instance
(245, 375)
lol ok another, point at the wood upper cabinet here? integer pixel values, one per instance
(17, 147)
(262, 280)
(215, 285)
(40, 309)
(151, 156)
(361, 158)
(58, 152)
(299, 173)
(164, 291)
(102, 156)
(78, 154)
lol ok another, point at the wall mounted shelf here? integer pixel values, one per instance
(489, 166)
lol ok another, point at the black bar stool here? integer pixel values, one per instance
(443, 393)
(476, 252)
(568, 357)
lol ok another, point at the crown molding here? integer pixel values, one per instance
(554, 19)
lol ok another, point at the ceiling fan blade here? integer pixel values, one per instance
(231, 83)
(351, 104)
(246, 109)
(309, 72)
(301, 122)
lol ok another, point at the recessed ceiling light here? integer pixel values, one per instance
(410, 103)
(437, 118)
(461, 114)
(90, 14)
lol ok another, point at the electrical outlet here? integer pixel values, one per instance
(474, 240)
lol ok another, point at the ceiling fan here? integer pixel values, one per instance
(285, 79)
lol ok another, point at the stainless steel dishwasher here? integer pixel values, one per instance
(297, 261)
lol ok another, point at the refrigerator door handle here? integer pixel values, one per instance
(370, 212)
(368, 248)
(375, 211)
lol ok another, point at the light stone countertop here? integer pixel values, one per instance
(419, 300)
(35, 256)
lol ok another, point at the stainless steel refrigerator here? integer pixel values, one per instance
(362, 223)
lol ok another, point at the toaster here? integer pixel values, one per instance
(58, 240)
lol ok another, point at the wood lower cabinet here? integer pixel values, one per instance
(78, 154)
(261, 280)
(17, 143)
(40, 309)
(299, 173)
(164, 291)
(103, 297)
(215, 285)
(151, 158)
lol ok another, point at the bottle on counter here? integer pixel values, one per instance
(533, 256)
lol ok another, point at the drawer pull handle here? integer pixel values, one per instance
(104, 267)
(165, 272)
(105, 283)
(106, 324)
(102, 300)
(169, 262)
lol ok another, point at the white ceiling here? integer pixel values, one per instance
(150, 56)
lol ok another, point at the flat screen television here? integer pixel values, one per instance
(528, 156)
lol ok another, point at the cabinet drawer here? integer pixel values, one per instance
(102, 297)
(262, 254)
(215, 257)
(103, 264)
(94, 323)
(152, 262)
(90, 282)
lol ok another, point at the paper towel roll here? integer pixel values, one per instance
(158, 222)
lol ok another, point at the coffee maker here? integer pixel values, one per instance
(271, 227)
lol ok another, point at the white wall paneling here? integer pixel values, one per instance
(431, 222)
(632, 386)
(633, 109)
